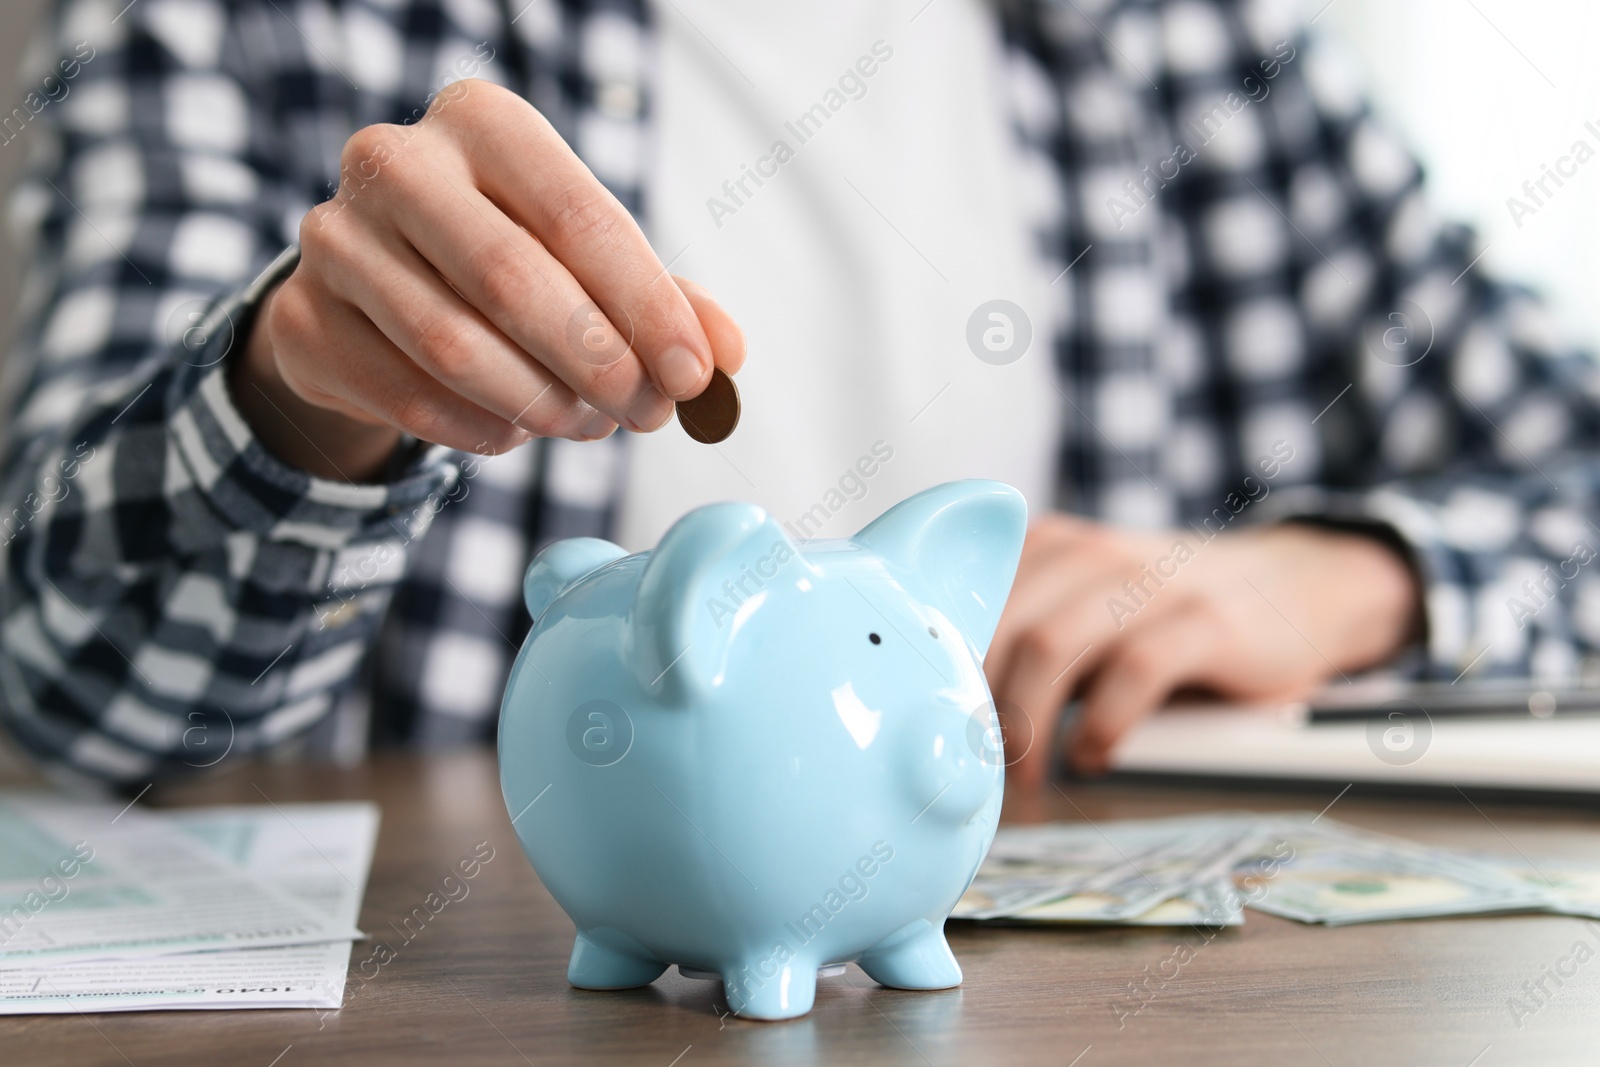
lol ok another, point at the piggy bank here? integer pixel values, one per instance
(757, 758)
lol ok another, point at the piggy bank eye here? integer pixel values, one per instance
(875, 639)
(933, 633)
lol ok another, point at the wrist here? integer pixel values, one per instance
(318, 440)
(1371, 576)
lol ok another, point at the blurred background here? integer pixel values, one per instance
(20, 18)
(1486, 92)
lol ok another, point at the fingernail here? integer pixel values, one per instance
(599, 426)
(650, 410)
(680, 371)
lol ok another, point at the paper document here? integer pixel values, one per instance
(316, 855)
(85, 881)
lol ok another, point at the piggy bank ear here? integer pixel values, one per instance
(957, 545)
(715, 566)
(561, 564)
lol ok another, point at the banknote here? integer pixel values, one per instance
(1217, 904)
(1205, 869)
(1106, 872)
(997, 897)
(1337, 875)
(1571, 887)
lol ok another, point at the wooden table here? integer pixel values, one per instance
(484, 980)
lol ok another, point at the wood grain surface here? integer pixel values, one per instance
(483, 981)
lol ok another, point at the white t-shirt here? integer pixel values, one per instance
(840, 177)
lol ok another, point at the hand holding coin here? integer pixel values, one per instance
(712, 416)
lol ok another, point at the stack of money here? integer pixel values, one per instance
(1204, 870)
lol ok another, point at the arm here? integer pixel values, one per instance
(1452, 509)
(1471, 431)
(164, 573)
(210, 515)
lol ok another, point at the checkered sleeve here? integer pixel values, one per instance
(1451, 412)
(172, 593)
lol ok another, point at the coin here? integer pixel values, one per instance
(711, 416)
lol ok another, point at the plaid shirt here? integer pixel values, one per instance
(1254, 274)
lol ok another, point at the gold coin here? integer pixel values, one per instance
(711, 416)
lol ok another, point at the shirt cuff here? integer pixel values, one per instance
(255, 491)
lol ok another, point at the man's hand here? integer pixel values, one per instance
(474, 285)
(1123, 620)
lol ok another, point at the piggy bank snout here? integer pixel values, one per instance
(955, 767)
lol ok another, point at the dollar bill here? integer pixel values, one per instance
(1337, 875)
(1107, 872)
(1217, 904)
(1205, 869)
(1570, 887)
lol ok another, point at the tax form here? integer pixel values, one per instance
(315, 856)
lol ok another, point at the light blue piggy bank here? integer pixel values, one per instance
(758, 759)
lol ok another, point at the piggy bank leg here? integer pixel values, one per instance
(914, 957)
(594, 966)
(788, 994)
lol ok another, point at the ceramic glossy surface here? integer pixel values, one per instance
(754, 757)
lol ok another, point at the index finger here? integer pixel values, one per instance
(521, 163)
(1137, 677)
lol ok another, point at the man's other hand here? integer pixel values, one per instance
(1123, 620)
